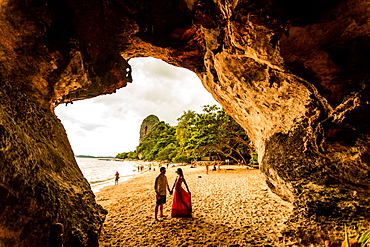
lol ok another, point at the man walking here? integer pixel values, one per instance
(161, 187)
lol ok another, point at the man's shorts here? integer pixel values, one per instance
(161, 200)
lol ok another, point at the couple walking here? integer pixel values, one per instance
(181, 205)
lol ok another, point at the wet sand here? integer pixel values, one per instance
(231, 207)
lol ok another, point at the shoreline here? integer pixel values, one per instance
(230, 207)
(146, 164)
(97, 188)
(90, 168)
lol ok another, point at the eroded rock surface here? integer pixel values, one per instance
(147, 125)
(294, 74)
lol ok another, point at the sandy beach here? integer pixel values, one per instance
(231, 207)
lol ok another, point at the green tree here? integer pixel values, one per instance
(211, 133)
(121, 156)
(132, 155)
(254, 160)
(127, 155)
(215, 133)
(181, 158)
(184, 127)
(158, 138)
(166, 153)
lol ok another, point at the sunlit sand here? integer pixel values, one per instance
(231, 207)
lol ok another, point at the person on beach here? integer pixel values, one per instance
(117, 177)
(161, 187)
(181, 205)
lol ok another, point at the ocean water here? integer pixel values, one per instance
(101, 173)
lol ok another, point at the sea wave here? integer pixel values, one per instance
(101, 172)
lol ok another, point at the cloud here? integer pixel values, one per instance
(91, 126)
(155, 68)
(110, 124)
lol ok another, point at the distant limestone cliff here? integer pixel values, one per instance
(147, 125)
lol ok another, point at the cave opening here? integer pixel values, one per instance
(104, 126)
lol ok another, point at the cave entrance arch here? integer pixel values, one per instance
(106, 125)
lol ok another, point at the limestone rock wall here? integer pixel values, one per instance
(51, 52)
(294, 74)
(41, 183)
(147, 125)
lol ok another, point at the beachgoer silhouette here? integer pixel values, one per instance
(161, 187)
(181, 205)
(117, 177)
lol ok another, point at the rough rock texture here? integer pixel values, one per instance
(51, 52)
(295, 77)
(294, 74)
(147, 125)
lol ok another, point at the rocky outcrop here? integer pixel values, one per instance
(294, 74)
(147, 125)
(51, 52)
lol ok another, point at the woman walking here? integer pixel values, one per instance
(117, 177)
(181, 205)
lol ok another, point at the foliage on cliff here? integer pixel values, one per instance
(159, 138)
(212, 133)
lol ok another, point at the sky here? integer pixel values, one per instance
(110, 124)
